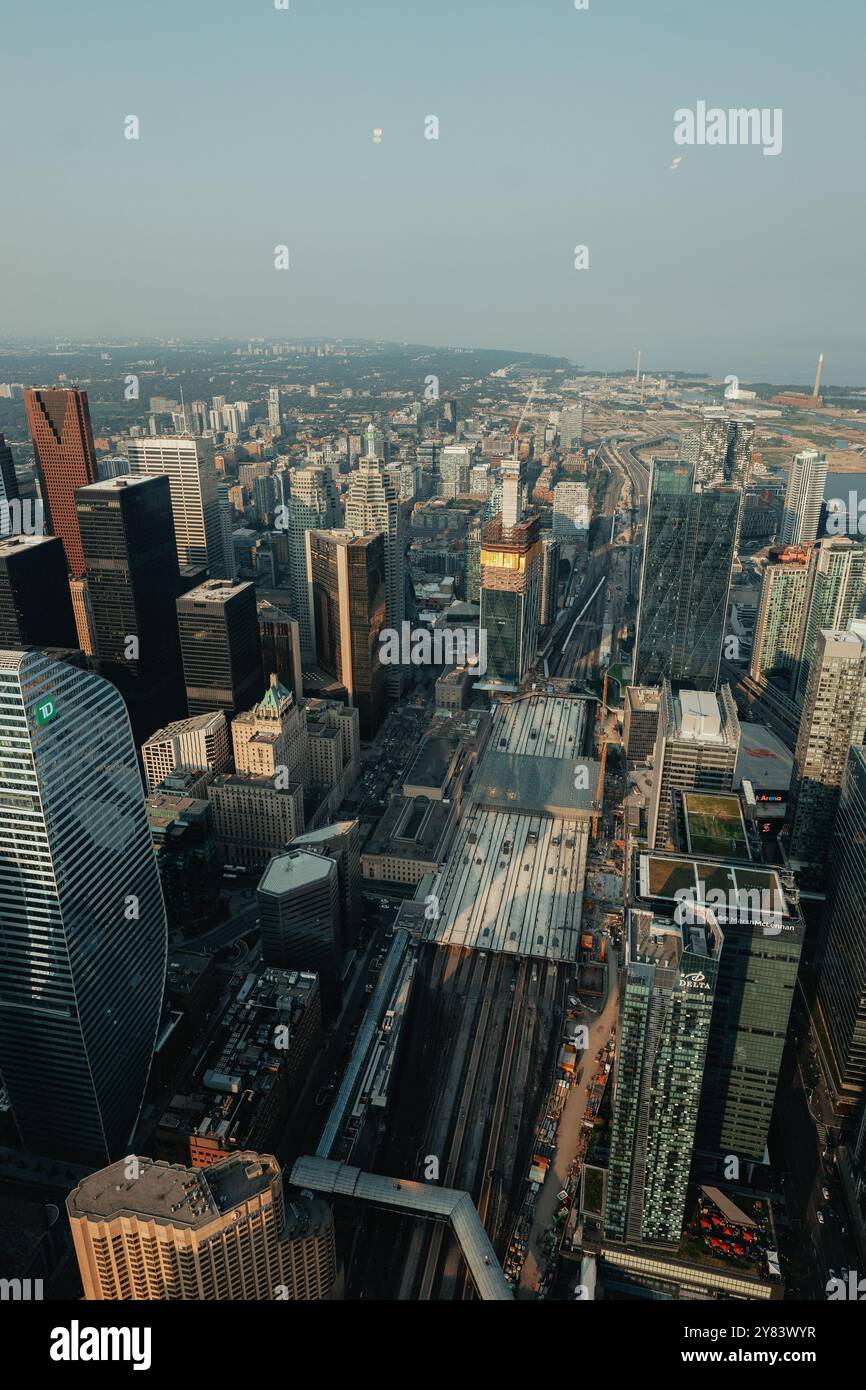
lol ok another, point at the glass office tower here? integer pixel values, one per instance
(685, 578)
(83, 934)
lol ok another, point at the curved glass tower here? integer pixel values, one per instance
(83, 936)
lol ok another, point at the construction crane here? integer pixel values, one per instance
(599, 790)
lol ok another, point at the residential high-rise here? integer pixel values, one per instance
(782, 608)
(696, 749)
(549, 580)
(299, 909)
(274, 408)
(194, 497)
(665, 1014)
(35, 604)
(133, 583)
(220, 646)
(348, 587)
(81, 912)
(571, 511)
(837, 588)
(199, 743)
(833, 719)
(455, 462)
(721, 448)
(571, 427)
(841, 989)
(65, 460)
(373, 507)
(312, 505)
(472, 562)
(805, 492)
(280, 636)
(146, 1230)
(688, 558)
(510, 561)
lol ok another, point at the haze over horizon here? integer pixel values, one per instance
(556, 130)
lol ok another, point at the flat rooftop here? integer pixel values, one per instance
(170, 1193)
(661, 877)
(763, 759)
(297, 869)
(699, 716)
(714, 825)
(524, 900)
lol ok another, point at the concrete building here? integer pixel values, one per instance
(782, 609)
(549, 581)
(348, 583)
(199, 742)
(270, 740)
(144, 1230)
(62, 438)
(696, 750)
(341, 842)
(571, 511)
(837, 589)
(311, 505)
(251, 1074)
(194, 498)
(253, 818)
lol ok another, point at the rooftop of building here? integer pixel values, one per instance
(215, 591)
(169, 1193)
(735, 891)
(643, 697)
(121, 484)
(714, 824)
(296, 869)
(412, 828)
(763, 758)
(13, 545)
(185, 726)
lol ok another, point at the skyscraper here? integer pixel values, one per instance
(721, 448)
(299, 910)
(510, 561)
(271, 738)
(63, 446)
(199, 743)
(194, 498)
(35, 604)
(688, 557)
(281, 646)
(348, 587)
(571, 427)
(665, 1013)
(220, 646)
(9, 491)
(373, 507)
(841, 991)
(782, 609)
(133, 583)
(834, 718)
(571, 511)
(152, 1230)
(312, 505)
(837, 586)
(696, 749)
(81, 912)
(274, 408)
(805, 492)
(549, 580)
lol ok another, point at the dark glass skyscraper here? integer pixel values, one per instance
(685, 578)
(65, 460)
(348, 584)
(842, 951)
(133, 582)
(220, 646)
(35, 603)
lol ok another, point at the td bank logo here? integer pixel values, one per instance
(45, 711)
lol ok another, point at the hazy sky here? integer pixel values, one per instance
(556, 129)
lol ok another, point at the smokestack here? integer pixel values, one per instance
(637, 373)
(819, 373)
